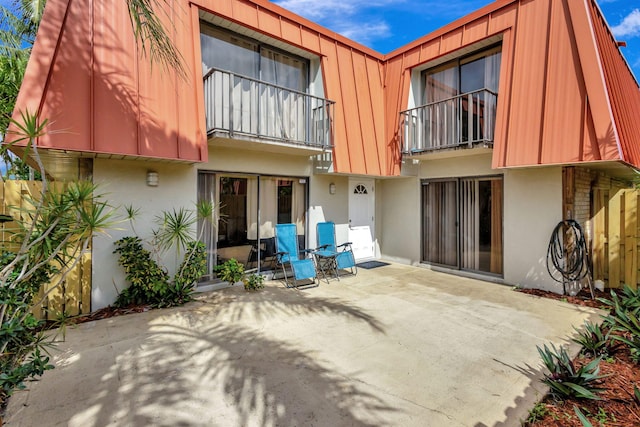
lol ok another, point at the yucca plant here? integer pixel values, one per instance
(565, 380)
(595, 339)
(53, 230)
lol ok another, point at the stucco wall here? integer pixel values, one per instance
(124, 183)
(532, 208)
(398, 225)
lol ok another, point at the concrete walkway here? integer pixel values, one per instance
(396, 345)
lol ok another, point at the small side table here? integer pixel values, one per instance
(326, 264)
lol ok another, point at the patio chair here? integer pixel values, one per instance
(345, 260)
(288, 255)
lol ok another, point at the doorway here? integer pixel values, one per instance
(362, 217)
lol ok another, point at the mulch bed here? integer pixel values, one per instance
(617, 407)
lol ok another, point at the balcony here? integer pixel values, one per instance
(466, 120)
(243, 110)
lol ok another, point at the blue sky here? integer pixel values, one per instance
(385, 25)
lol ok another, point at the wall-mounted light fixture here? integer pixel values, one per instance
(332, 188)
(152, 178)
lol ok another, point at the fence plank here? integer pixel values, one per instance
(631, 246)
(600, 255)
(615, 223)
(85, 288)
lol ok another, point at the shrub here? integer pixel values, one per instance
(147, 280)
(230, 271)
(253, 282)
(20, 334)
(149, 283)
(565, 380)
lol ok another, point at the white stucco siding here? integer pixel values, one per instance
(532, 208)
(125, 183)
(398, 227)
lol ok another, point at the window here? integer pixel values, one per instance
(464, 75)
(257, 90)
(230, 52)
(460, 98)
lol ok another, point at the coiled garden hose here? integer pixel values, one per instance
(568, 254)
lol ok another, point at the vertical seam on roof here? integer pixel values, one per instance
(344, 117)
(176, 85)
(545, 79)
(92, 136)
(603, 79)
(511, 65)
(56, 50)
(357, 102)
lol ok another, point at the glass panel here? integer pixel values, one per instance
(481, 225)
(283, 112)
(441, 84)
(206, 193)
(282, 70)
(285, 193)
(238, 204)
(472, 76)
(440, 223)
(223, 51)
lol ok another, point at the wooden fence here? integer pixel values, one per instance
(73, 295)
(616, 236)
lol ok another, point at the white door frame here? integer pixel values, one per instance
(355, 226)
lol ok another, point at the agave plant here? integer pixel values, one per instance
(565, 380)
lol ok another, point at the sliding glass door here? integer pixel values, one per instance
(248, 208)
(462, 223)
(440, 219)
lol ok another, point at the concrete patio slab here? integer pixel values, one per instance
(395, 345)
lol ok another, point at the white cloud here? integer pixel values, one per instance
(346, 17)
(630, 25)
(319, 9)
(364, 33)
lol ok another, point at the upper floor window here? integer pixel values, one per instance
(227, 51)
(464, 75)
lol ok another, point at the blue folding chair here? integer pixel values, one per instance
(288, 255)
(344, 259)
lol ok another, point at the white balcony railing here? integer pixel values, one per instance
(244, 107)
(463, 120)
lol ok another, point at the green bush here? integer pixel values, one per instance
(20, 333)
(565, 380)
(149, 283)
(230, 271)
(253, 282)
(147, 280)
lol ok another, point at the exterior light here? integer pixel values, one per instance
(332, 188)
(152, 178)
